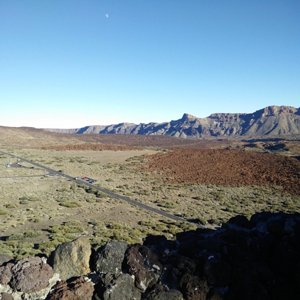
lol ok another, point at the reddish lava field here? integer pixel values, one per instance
(228, 167)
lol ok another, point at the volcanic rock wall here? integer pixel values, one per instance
(244, 259)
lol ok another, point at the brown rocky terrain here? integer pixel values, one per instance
(228, 168)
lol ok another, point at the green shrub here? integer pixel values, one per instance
(70, 204)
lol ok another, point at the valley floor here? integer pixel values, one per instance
(38, 211)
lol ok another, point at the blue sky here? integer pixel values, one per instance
(70, 63)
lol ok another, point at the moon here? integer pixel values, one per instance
(107, 16)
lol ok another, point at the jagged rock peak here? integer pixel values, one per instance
(188, 117)
(276, 110)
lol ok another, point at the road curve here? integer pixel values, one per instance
(105, 191)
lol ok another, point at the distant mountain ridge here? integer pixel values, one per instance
(269, 121)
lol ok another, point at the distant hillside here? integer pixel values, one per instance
(24, 137)
(269, 121)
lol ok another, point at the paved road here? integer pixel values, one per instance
(22, 176)
(104, 190)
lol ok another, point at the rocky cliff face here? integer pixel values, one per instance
(272, 120)
(244, 259)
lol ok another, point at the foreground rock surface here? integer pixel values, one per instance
(72, 258)
(244, 259)
(31, 275)
(114, 287)
(109, 258)
(76, 289)
(143, 265)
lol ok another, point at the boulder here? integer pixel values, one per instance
(72, 258)
(160, 245)
(31, 275)
(74, 289)
(193, 287)
(160, 292)
(217, 272)
(109, 258)
(276, 227)
(141, 262)
(113, 287)
(177, 266)
(249, 288)
(240, 221)
(215, 294)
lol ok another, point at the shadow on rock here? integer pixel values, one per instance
(256, 258)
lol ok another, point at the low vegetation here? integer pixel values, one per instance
(37, 213)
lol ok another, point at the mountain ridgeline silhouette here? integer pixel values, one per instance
(269, 121)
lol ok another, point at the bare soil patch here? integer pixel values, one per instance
(228, 168)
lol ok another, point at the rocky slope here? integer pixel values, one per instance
(270, 121)
(244, 259)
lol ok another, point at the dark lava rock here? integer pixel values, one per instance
(193, 287)
(240, 221)
(160, 292)
(177, 266)
(256, 259)
(109, 258)
(31, 275)
(115, 287)
(141, 262)
(248, 288)
(215, 294)
(276, 227)
(217, 272)
(73, 289)
(260, 220)
(160, 245)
